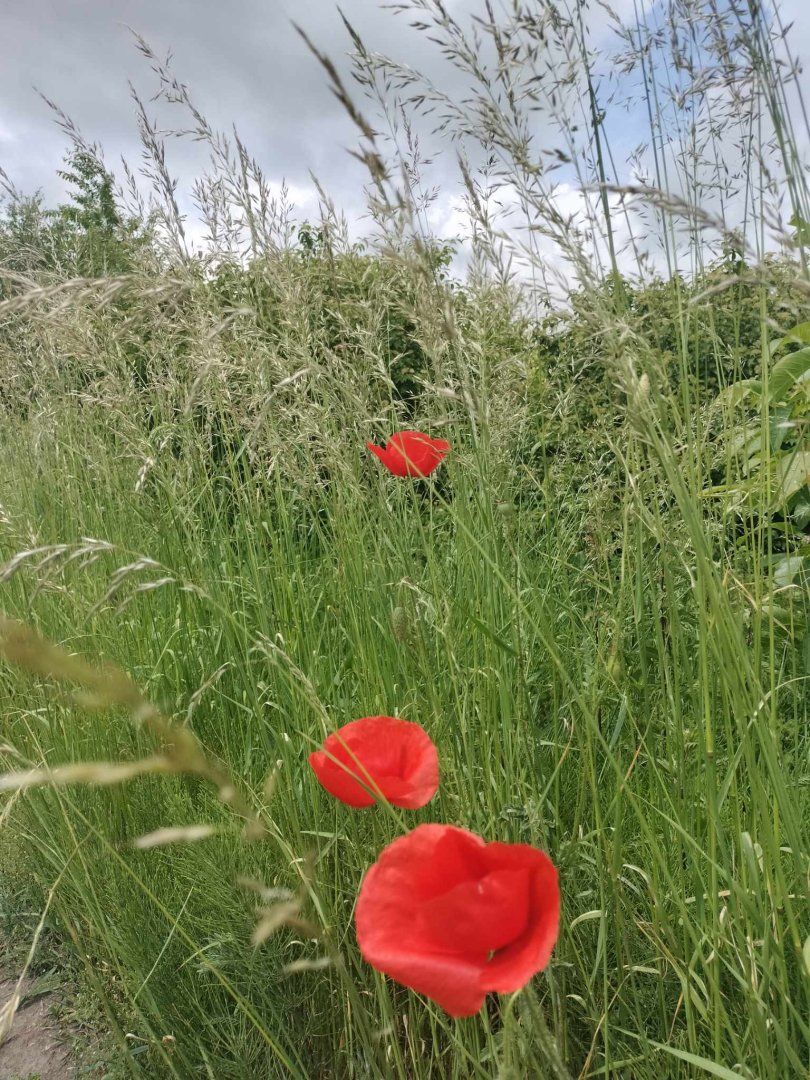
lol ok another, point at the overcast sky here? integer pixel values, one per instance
(242, 61)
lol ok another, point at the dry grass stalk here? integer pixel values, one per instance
(181, 834)
(107, 687)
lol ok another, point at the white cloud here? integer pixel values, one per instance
(244, 62)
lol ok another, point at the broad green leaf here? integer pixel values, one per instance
(800, 333)
(794, 473)
(801, 514)
(786, 569)
(738, 391)
(786, 373)
(746, 442)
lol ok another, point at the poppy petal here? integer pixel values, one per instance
(449, 980)
(512, 967)
(411, 453)
(496, 912)
(377, 451)
(453, 917)
(413, 450)
(394, 942)
(380, 756)
(340, 781)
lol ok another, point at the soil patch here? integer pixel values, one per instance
(35, 1048)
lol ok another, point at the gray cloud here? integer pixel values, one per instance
(243, 63)
(242, 60)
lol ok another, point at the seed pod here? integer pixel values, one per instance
(400, 624)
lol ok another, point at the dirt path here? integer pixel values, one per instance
(35, 1047)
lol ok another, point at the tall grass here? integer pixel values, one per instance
(590, 640)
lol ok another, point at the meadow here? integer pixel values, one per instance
(597, 605)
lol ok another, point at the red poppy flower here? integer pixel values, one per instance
(453, 917)
(379, 753)
(411, 453)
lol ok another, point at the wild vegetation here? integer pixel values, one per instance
(597, 606)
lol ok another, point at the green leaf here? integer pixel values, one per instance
(801, 514)
(735, 393)
(586, 916)
(786, 373)
(786, 569)
(800, 333)
(794, 473)
(747, 441)
(711, 1067)
(802, 227)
